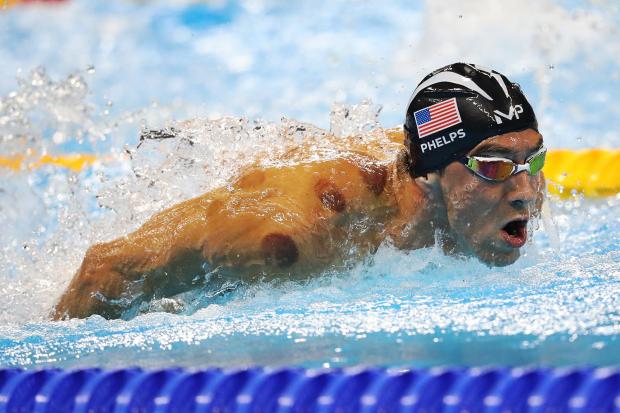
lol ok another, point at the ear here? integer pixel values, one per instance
(430, 184)
(435, 201)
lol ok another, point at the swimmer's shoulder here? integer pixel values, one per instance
(341, 172)
(349, 182)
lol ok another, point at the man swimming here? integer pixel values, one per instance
(469, 133)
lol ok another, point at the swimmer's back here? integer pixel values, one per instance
(314, 206)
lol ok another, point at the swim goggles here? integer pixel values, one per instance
(500, 169)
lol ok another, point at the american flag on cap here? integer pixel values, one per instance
(437, 117)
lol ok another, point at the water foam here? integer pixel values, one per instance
(558, 304)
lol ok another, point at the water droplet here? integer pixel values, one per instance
(58, 137)
(90, 69)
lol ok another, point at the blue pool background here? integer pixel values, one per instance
(108, 69)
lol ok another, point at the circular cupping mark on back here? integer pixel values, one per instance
(280, 250)
(375, 177)
(330, 196)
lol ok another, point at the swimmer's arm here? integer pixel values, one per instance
(224, 229)
(112, 274)
(98, 282)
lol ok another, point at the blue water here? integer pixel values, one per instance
(88, 75)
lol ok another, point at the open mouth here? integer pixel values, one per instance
(515, 233)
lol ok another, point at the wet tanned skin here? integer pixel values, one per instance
(288, 222)
(303, 217)
(475, 210)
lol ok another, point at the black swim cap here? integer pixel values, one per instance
(456, 107)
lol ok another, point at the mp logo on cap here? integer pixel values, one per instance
(512, 113)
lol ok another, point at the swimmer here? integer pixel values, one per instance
(468, 178)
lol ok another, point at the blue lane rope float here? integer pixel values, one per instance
(283, 390)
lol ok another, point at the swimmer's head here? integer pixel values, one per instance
(455, 108)
(461, 111)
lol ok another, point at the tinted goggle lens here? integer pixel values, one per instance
(495, 170)
(537, 162)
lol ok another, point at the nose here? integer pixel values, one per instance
(522, 190)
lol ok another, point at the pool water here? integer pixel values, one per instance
(87, 76)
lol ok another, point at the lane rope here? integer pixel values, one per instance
(449, 389)
(591, 172)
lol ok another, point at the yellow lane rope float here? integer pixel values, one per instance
(8, 3)
(74, 162)
(591, 172)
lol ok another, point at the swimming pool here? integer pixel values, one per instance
(107, 69)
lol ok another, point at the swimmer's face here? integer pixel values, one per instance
(488, 219)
